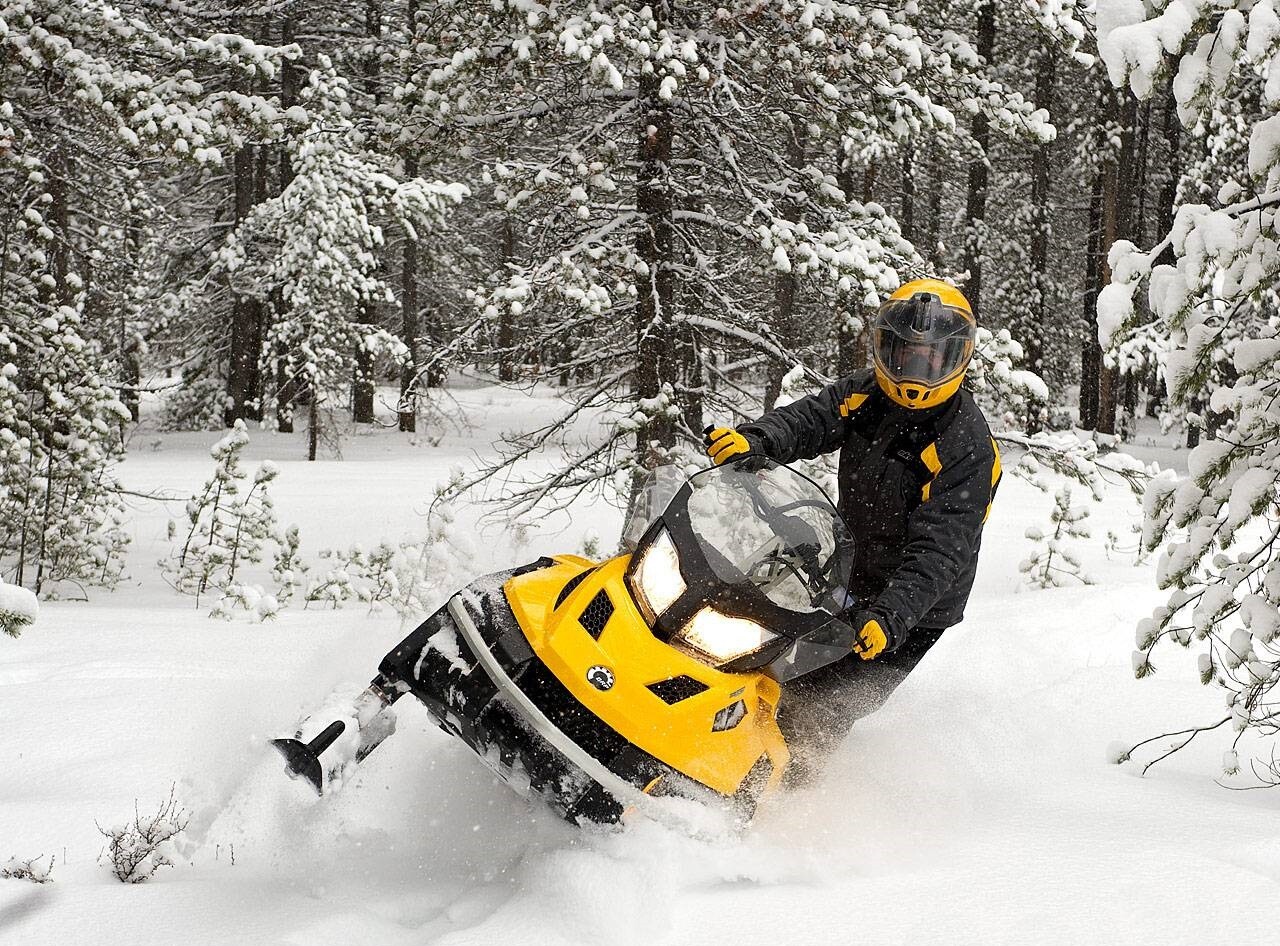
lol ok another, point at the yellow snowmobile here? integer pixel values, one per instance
(594, 684)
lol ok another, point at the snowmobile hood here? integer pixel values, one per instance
(711, 725)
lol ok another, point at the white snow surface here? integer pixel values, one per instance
(977, 807)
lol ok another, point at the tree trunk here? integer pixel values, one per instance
(506, 321)
(929, 230)
(363, 388)
(1038, 318)
(979, 171)
(784, 284)
(1169, 192)
(908, 218)
(286, 379)
(852, 327)
(1046, 76)
(408, 408)
(1118, 180)
(1091, 351)
(245, 317)
(655, 247)
(59, 216)
(130, 369)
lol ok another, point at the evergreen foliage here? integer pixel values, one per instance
(227, 528)
(1211, 289)
(1053, 561)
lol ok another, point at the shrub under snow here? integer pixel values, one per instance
(137, 848)
(31, 869)
(18, 608)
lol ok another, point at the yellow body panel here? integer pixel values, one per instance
(679, 735)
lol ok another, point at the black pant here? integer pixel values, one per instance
(818, 710)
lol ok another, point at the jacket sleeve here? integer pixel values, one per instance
(804, 428)
(943, 535)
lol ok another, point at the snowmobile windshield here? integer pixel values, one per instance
(921, 340)
(759, 522)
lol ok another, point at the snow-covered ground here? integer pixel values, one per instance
(977, 807)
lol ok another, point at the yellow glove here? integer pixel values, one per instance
(725, 442)
(871, 640)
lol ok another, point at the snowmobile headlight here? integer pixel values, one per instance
(658, 582)
(724, 638)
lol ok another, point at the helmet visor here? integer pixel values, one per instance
(923, 341)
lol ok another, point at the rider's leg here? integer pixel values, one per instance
(818, 710)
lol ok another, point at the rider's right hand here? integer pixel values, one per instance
(725, 442)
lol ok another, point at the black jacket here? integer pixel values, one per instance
(915, 490)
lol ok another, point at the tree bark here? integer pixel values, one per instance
(1118, 180)
(784, 284)
(853, 325)
(408, 410)
(1169, 192)
(244, 310)
(287, 392)
(506, 321)
(979, 171)
(908, 219)
(933, 216)
(1091, 351)
(1041, 230)
(655, 247)
(363, 388)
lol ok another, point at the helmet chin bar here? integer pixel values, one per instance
(916, 396)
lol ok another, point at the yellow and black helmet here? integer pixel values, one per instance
(922, 342)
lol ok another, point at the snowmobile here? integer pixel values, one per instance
(659, 672)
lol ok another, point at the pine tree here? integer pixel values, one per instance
(675, 168)
(314, 250)
(227, 528)
(1211, 289)
(1053, 561)
(92, 94)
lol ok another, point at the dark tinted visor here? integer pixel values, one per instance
(920, 339)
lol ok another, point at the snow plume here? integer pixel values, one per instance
(1211, 292)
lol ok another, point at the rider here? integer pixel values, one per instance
(918, 470)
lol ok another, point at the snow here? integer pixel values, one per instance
(977, 807)
(18, 602)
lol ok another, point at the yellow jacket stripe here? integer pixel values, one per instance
(851, 404)
(929, 457)
(996, 473)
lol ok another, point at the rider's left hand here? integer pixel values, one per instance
(870, 636)
(725, 442)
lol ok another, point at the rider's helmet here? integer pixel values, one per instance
(922, 342)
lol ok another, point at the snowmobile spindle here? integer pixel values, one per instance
(302, 759)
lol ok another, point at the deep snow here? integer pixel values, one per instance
(977, 807)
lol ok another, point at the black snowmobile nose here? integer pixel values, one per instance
(302, 759)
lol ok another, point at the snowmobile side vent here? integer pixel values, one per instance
(572, 583)
(729, 717)
(677, 689)
(597, 614)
